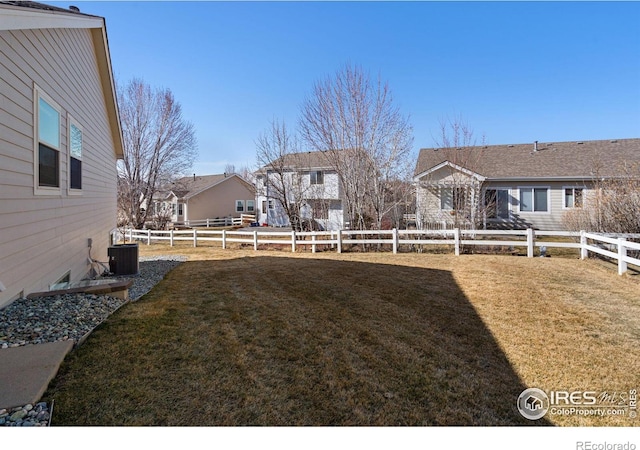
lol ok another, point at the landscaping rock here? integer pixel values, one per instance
(68, 316)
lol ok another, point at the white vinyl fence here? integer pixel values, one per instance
(613, 247)
(243, 220)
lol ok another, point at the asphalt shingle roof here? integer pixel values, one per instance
(604, 158)
(188, 186)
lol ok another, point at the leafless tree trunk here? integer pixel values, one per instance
(281, 162)
(365, 138)
(159, 145)
(464, 193)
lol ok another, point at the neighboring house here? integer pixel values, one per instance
(206, 197)
(60, 138)
(516, 186)
(304, 179)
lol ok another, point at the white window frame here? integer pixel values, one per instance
(72, 122)
(573, 188)
(240, 206)
(251, 206)
(533, 200)
(38, 94)
(314, 176)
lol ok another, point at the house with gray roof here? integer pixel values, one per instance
(308, 182)
(198, 198)
(516, 186)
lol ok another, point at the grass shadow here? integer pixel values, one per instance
(285, 341)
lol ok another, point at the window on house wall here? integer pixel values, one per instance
(573, 197)
(453, 198)
(319, 209)
(47, 161)
(181, 209)
(534, 199)
(272, 205)
(239, 205)
(75, 155)
(251, 206)
(174, 209)
(496, 203)
(316, 177)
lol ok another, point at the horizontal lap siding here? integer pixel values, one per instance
(551, 220)
(219, 201)
(43, 237)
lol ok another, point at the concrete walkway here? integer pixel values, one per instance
(25, 372)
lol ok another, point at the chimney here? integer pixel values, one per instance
(535, 146)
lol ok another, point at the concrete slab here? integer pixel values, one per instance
(25, 372)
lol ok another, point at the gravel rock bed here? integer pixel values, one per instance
(26, 416)
(68, 316)
(71, 316)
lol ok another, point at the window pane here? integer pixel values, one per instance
(526, 200)
(75, 142)
(76, 174)
(239, 206)
(250, 206)
(446, 199)
(316, 177)
(568, 198)
(48, 167)
(540, 199)
(490, 203)
(48, 124)
(502, 206)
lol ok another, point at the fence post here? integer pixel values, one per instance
(171, 237)
(529, 242)
(394, 234)
(130, 235)
(313, 243)
(622, 253)
(584, 253)
(224, 239)
(208, 223)
(456, 237)
(293, 241)
(195, 237)
(339, 236)
(255, 240)
(148, 237)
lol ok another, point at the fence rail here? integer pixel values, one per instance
(243, 220)
(611, 246)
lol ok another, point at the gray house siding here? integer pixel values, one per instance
(44, 237)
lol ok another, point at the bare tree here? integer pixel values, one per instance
(278, 155)
(612, 206)
(159, 145)
(364, 136)
(460, 191)
(230, 168)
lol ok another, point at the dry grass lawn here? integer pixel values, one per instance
(236, 337)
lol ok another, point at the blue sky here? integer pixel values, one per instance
(516, 71)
